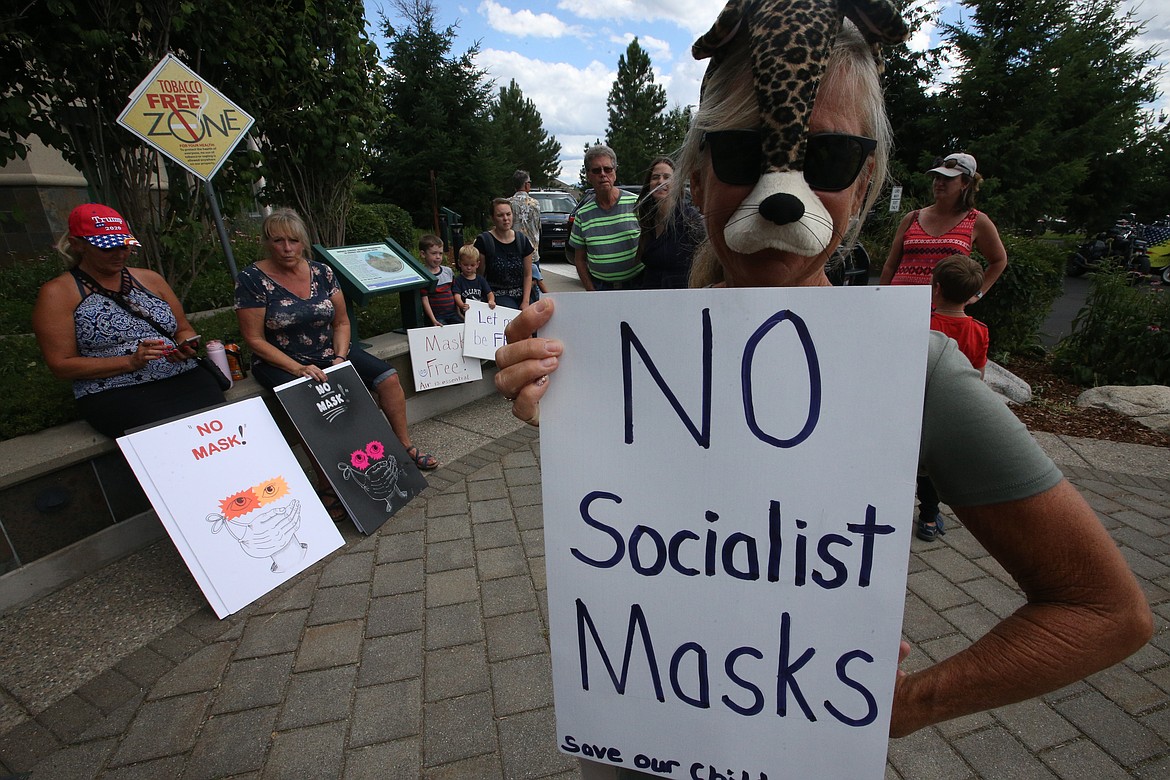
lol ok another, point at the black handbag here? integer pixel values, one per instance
(211, 368)
(122, 301)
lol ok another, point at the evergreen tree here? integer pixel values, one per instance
(1047, 95)
(437, 124)
(674, 129)
(583, 182)
(521, 139)
(914, 114)
(637, 127)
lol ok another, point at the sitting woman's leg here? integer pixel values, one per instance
(388, 390)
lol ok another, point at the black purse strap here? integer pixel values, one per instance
(120, 299)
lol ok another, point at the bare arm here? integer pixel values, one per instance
(581, 262)
(986, 238)
(252, 329)
(527, 286)
(341, 327)
(52, 322)
(894, 259)
(1084, 612)
(426, 305)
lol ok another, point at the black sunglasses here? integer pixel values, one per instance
(599, 169)
(832, 161)
(951, 164)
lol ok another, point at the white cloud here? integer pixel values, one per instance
(694, 16)
(524, 22)
(570, 99)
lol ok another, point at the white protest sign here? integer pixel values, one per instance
(436, 358)
(483, 329)
(728, 482)
(234, 500)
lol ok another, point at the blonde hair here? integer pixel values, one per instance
(67, 250)
(468, 252)
(967, 202)
(728, 102)
(284, 222)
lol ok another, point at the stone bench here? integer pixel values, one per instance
(89, 464)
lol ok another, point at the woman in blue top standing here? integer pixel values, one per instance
(293, 316)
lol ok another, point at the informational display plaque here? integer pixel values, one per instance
(728, 480)
(374, 268)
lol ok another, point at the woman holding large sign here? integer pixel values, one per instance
(778, 200)
(293, 316)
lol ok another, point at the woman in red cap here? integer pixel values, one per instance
(119, 333)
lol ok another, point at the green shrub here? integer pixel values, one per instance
(1120, 337)
(399, 225)
(382, 315)
(370, 223)
(19, 284)
(1019, 302)
(365, 225)
(34, 399)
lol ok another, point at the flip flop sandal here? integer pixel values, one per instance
(425, 461)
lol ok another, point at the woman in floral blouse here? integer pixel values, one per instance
(292, 314)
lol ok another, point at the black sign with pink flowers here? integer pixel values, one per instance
(354, 444)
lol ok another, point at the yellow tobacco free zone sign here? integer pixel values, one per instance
(185, 118)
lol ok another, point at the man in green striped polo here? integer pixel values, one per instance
(605, 231)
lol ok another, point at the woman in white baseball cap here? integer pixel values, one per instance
(951, 225)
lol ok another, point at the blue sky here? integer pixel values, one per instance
(564, 53)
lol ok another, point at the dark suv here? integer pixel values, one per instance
(555, 208)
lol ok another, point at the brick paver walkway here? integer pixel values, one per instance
(422, 651)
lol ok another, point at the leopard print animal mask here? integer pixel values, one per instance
(788, 42)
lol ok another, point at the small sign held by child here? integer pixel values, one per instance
(483, 330)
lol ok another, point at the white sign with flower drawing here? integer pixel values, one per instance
(234, 500)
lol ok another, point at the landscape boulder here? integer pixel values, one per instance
(1007, 384)
(1147, 404)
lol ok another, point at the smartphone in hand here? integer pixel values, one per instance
(192, 342)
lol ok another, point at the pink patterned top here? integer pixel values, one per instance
(921, 251)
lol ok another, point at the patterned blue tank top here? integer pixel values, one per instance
(105, 329)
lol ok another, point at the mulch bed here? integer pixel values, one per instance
(1053, 409)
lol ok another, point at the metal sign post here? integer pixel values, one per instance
(179, 114)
